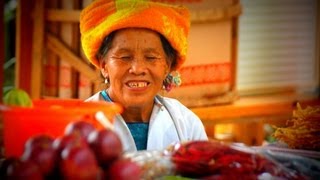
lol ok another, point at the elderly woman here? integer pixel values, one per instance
(138, 45)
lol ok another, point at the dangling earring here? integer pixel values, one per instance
(106, 80)
(176, 79)
(172, 80)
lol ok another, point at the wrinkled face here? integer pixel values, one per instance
(136, 67)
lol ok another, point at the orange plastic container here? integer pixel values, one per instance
(47, 117)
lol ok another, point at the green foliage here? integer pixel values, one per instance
(9, 62)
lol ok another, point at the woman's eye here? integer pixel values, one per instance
(125, 57)
(151, 57)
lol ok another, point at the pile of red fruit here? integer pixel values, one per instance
(82, 152)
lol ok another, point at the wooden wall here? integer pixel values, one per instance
(49, 59)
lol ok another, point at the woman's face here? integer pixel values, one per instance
(136, 67)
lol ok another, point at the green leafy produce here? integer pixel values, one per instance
(17, 97)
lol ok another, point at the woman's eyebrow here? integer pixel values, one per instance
(151, 50)
(122, 49)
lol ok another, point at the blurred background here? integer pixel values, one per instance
(249, 62)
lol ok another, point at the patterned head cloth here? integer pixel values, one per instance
(102, 17)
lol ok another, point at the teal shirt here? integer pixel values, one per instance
(139, 132)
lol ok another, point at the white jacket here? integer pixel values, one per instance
(170, 122)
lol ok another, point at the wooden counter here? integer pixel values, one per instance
(249, 114)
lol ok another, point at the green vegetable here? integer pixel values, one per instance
(17, 97)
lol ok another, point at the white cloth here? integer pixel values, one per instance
(170, 122)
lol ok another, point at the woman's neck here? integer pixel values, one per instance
(137, 114)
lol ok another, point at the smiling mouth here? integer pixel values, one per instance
(138, 84)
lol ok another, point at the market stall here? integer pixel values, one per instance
(61, 139)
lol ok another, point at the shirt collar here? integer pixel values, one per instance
(157, 102)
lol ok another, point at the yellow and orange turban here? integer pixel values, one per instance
(102, 17)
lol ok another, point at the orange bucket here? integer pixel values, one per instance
(49, 116)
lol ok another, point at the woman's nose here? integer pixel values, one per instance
(138, 66)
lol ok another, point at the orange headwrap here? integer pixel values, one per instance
(102, 17)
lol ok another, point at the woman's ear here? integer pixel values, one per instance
(103, 69)
(167, 72)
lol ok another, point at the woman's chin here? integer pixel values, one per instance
(135, 101)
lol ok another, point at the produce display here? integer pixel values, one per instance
(82, 152)
(222, 161)
(87, 151)
(302, 130)
(216, 160)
